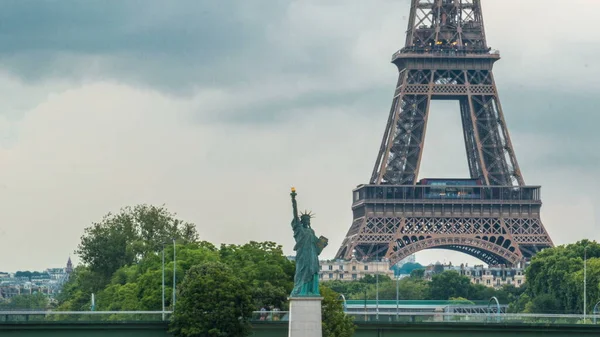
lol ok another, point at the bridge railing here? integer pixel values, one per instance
(491, 318)
(8, 317)
(83, 316)
(270, 316)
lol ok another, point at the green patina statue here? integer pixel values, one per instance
(308, 247)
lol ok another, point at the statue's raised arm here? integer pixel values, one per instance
(294, 204)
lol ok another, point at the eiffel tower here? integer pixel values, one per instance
(492, 216)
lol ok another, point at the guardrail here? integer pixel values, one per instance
(83, 316)
(491, 318)
(270, 316)
(279, 316)
(445, 52)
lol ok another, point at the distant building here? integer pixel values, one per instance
(69, 268)
(48, 282)
(409, 259)
(352, 270)
(492, 276)
(405, 266)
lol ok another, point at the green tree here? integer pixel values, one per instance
(449, 284)
(413, 289)
(139, 286)
(508, 293)
(408, 289)
(30, 274)
(124, 238)
(213, 303)
(408, 268)
(77, 292)
(36, 301)
(519, 304)
(543, 304)
(481, 292)
(352, 289)
(335, 322)
(372, 279)
(438, 268)
(417, 273)
(264, 267)
(460, 301)
(558, 272)
(574, 290)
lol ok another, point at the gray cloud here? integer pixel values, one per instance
(157, 43)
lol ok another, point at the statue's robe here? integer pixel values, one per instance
(306, 280)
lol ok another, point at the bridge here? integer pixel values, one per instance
(275, 324)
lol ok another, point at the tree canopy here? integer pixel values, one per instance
(213, 303)
(443, 286)
(406, 268)
(557, 273)
(335, 322)
(126, 237)
(449, 284)
(35, 301)
(30, 274)
(262, 266)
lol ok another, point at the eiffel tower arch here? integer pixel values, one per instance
(493, 215)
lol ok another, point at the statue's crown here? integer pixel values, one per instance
(308, 214)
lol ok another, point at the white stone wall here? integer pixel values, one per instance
(352, 270)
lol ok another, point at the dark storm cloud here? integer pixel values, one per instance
(163, 43)
(176, 47)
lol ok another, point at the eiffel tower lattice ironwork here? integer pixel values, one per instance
(493, 216)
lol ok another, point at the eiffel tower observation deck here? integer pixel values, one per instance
(492, 215)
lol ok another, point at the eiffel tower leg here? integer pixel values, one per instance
(401, 150)
(473, 158)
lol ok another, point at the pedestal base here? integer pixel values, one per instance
(305, 317)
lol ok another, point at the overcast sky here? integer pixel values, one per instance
(215, 108)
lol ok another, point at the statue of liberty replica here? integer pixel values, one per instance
(305, 300)
(307, 248)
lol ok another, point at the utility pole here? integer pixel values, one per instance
(163, 281)
(365, 289)
(174, 272)
(377, 288)
(584, 282)
(397, 304)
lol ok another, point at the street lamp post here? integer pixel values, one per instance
(497, 306)
(365, 289)
(377, 289)
(174, 272)
(397, 304)
(595, 311)
(584, 282)
(344, 302)
(163, 281)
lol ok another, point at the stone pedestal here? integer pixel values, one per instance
(305, 317)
